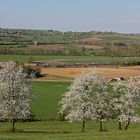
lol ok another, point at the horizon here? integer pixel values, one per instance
(35, 29)
(84, 16)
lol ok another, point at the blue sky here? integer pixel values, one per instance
(75, 15)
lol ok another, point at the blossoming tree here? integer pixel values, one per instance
(77, 102)
(15, 95)
(101, 98)
(126, 94)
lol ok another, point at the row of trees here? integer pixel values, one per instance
(19, 50)
(113, 51)
(90, 97)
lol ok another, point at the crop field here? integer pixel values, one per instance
(91, 46)
(115, 37)
(91, 39)
(48, 47)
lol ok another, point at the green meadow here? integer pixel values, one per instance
(56, 130)
(25, 58)
(46, 98)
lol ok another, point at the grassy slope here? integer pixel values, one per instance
(65, 131)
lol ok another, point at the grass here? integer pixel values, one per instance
(115, 37)
(25, 58)
(23, 49)
(71, 47)
(48, 130)
(47, 96)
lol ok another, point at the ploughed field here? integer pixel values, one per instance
(68, 74)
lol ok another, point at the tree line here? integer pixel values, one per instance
(93, 98)
(90, 98)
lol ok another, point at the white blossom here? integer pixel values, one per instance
(15, 95)
(77, 102)
(126, 97)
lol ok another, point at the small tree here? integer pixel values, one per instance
(77, 103)
(15, 95)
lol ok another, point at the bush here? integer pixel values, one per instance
(29, 70)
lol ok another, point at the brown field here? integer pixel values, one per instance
(91, 46)
(91, 39)
(69, 74)
(48, 47)
(134, 68)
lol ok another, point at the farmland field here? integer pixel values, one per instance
(115, 37)
(68, 74)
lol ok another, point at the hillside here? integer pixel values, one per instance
(51, 42)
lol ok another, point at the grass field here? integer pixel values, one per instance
(47, 96)
(55, 130)
(25, 58)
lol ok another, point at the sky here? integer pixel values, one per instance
(72, 15)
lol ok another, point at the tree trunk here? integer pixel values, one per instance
(127, 124)
(120, 125)
(101, 126)
(83, 126)
(13, 126)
